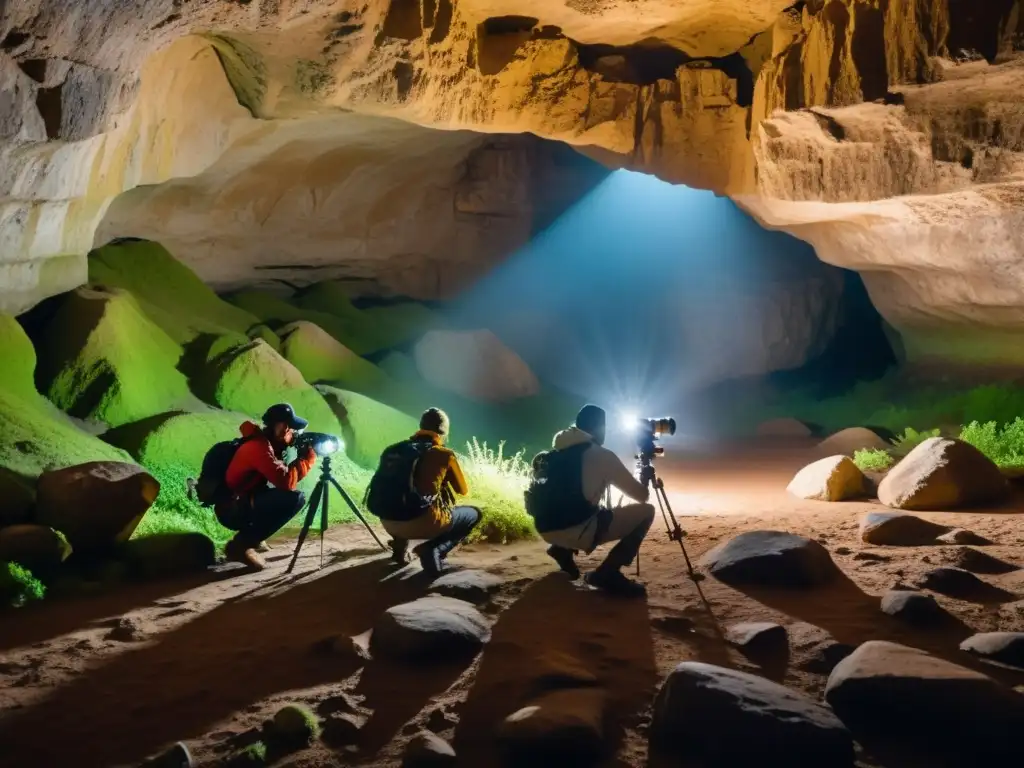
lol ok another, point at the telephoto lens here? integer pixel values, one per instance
(322, 443)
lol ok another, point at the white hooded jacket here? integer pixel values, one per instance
(601, 468)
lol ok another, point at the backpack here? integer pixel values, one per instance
(554, 497)
(392, 493)
(211, 487)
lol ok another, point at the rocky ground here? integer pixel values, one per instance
(113, 679)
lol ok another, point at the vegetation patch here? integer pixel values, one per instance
(1004, 445)
(496, 485)
(873, 460)
(322, 358)
(18, 586)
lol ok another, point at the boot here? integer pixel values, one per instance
(614, 582)
(429, 557)
(399, 551)
(565, 559)
(263, 547)
(239, 550)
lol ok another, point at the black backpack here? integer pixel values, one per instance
(554, 498)
(392, 493)
(211, 487)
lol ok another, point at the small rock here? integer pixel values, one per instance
(428, 750)
(178, 756)
(835, 478)
(913, 607)
(963, 536)
(770, 558)
(36, 547)
(898, 529)
(872, 557)
(469, 585)
(342, 729)
(961, 584)
(893, 696)
(980, 562)
(757, 636)
(943, 473)
(725, 717)
(430, 627)
(1003, 647)
(564, 726)
(843, 550)
(128, 629)
(820, 650)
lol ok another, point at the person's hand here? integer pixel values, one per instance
(308, 454)
(646, 474)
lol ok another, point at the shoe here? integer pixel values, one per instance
(430, 559)
(614, 582)
(239, 551)
(565, 559)
(263, 547)
(399, 553)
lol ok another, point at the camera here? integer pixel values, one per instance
(646, 431)
(322, 443)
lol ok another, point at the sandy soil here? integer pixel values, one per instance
(209, 659)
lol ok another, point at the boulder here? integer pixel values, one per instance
(961, 584)
(913, 607)
(724, 717)
(835, 478)
(895, 696)
(428, 750)
(17, 497)
(817, 649)
(896, 529)
(469, 585)
(963, 536)
(35, 547)
(561, 727)
(474, 364)
(757, 636)
(1003, 647)
(847, 442)
(97, 504)
(783, 428)
(942, 473)
(979, 562)
(430, 627)
(168, 554)
(770, 558)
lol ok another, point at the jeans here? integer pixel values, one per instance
(629, 525)
(269, 512)
(443, 539)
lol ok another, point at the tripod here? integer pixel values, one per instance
(319, 499)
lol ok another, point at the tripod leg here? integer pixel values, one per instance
(357, 513)
(323, 523)
(314, 502)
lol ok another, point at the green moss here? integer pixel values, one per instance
(18, 586)
(873, 460)
(168, 291)
(244, 69)
(1004, 445)
(254, 755)
(19, 359)
(367, 426)
(322, 358)
(101, 358)
(904, 443)
(294, 726)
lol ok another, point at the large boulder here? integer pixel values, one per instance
(943, 473)
(168, 554)
(899, 697)
(770, 558)
(834, 478)
(35, 547)
(725, 717)
(321, 357)
(564, 727)
(95, 505)
(474, 364)
(430, 627)
(847, 442)
(913, 607)
(1003, 647)
(17, 497)
(896, 529)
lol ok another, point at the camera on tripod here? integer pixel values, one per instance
(322, 443)
(646, 432)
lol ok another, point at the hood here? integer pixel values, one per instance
(570, 437)
(249, 428)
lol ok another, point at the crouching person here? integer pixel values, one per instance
(564, 500)
(263, 496)
(413, 493)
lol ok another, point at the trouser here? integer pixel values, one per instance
(440, 535)
(267, 513)
(628, 526)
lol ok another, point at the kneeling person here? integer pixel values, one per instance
(413, 493)
(565, 496)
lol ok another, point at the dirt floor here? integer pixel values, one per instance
(209, 659)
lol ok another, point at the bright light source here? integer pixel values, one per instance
(628, 419)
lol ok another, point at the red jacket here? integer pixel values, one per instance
(255, 464)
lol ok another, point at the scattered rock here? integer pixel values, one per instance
(127, 630)
(474, 364)
(872, 557)
(843, 550)
(961, 584)
(168, 554)
(726, 717)
(97, 504)
(35, 547)
(469, 585)
(783, 428)
(835, 478)
(899, 530)
(17, 498)
(1003, 647)
(428, 750)
(980, 562)
(432, 626)
(819, 650)
(758, 636)
(913, 607)
(847, 442)
(342, 729)
(892, 695)
(178, 756)
(943, 473)
(963, 536)
(770, 558)
(560, 727)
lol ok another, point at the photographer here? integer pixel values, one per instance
(255, 509)
(567, 509)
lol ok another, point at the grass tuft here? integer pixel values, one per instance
(254, 754)
(496, 485)
(1003, 445)
(18, 586)
(873, 460)
(910, 439)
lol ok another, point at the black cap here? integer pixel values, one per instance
(590, 418)
(283, 413)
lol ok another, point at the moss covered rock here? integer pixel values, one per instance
(36, 547)
(367, 425)
(265, 332)
(102, 358)
(294, 726)
(320, 357)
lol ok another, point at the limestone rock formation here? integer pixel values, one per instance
(474, 364)
(941, 473)
(834, 478)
